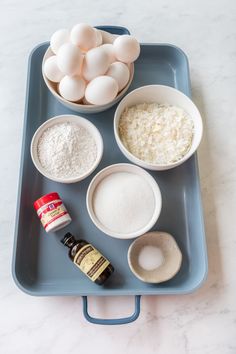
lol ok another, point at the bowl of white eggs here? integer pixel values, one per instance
(89, 70)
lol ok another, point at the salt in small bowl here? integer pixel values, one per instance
(171, 253)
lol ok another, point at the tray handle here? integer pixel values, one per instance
(118, 30)
(112, 321)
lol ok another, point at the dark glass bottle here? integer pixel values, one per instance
(89, 260)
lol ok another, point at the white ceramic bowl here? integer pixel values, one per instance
(78, 107)
(122, 167)
(170, 250)
(63, 119)
(159, 94)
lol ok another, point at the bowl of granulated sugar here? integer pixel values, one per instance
(66, 148)
(124, 201)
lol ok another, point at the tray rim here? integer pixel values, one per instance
(129, 292)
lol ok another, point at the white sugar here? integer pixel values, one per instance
(124, 202)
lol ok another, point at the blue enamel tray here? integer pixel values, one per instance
(40, 262)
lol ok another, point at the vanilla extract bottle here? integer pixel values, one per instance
(88, 259)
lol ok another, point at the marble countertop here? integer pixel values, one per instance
(203, 322)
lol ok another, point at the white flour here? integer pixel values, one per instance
(66, 150)
(124, 202)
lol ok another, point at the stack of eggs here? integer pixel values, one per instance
(86, 70)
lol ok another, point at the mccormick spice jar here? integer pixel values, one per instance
(52, 212)
(89, 260)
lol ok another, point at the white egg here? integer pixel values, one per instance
(72, 88)
(127, 48)
(69, 59)
(110, 51)
(101, 90)
(96, 63)
(98, 37)
(51, 69)
(80, 66)
(84, 36)
(59, 38)
(120, 72)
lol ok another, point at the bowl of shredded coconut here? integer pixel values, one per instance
(157, 127)
(66, 148)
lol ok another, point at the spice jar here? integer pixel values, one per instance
(89, 260)
(52, 212)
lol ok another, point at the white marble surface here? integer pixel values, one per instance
(203, 322)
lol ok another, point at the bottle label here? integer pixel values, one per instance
(51, 212)
(90, 261)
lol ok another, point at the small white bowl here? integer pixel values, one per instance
(63, 119)
(123, 167)
(171, 252)
(159, 94)
(78, 107)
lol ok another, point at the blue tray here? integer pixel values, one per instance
(40, 262)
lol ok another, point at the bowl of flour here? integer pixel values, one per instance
(66, 148)
(124, 201)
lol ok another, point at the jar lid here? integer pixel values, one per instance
(47, 198)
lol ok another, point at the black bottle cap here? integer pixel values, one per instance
(68, 240)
